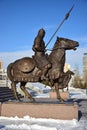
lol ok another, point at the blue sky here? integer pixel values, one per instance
(20, 21)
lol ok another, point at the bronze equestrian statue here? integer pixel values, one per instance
(41, 67)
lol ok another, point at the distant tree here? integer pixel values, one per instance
(78, 81)
(76, 77)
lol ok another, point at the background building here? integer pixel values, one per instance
(66, 67)
(85, 67)
(1, 65)
(3, 75)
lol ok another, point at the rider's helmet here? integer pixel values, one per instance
(41, 32)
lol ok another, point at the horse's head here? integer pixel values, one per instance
(64, 43)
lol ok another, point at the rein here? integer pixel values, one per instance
(54, 49)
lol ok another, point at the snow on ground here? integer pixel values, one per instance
(78, 93)
(29, 123)
(36, 89)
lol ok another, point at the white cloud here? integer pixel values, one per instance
(49, 27)
(82, 39)
(8, 57)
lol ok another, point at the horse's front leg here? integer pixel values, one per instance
(22, 86)
(13, 85)
(58, 93)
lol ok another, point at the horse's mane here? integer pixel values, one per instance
(56, 43)
(58, 54)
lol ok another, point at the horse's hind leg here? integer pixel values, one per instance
(58, 93)
(13, 85)
(22, 86)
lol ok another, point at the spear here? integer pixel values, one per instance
(65, 18)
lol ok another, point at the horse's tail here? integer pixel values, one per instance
(9, 71)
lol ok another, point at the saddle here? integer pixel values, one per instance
(25, 64)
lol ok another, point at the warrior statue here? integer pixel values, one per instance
(40, 57)
(41, 66)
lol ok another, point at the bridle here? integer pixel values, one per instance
(59, 43)
(55, 49)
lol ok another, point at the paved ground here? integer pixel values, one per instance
(83, 109)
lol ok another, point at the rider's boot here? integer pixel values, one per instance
(45, 71)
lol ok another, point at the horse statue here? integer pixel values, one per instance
(25, 69)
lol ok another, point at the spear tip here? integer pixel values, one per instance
(67, 14)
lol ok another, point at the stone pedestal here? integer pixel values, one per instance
(43, 108)
(64, 95)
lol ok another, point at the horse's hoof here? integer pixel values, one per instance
(32, 99)
(61, 100)
(17, 98)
